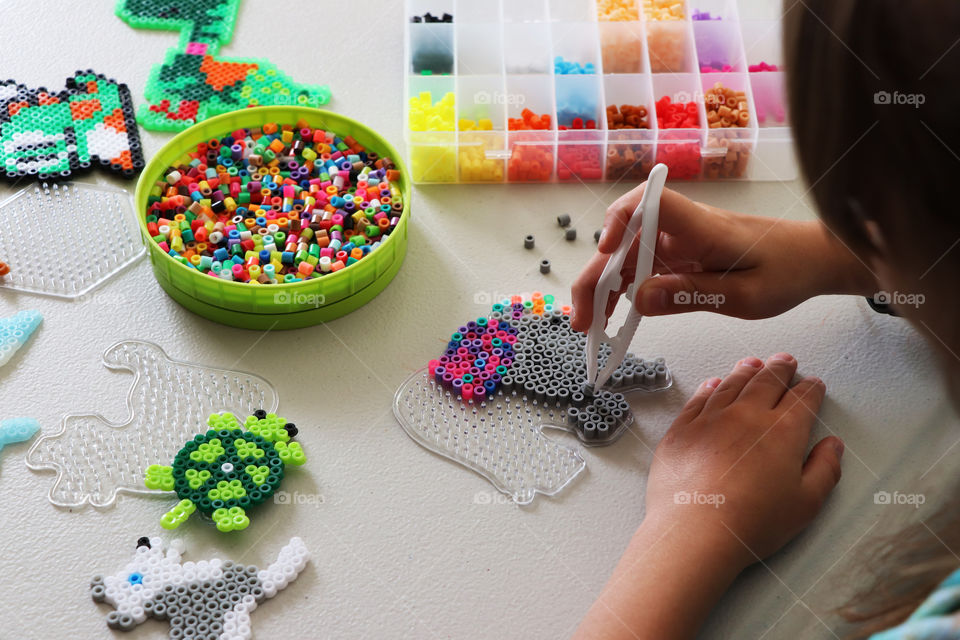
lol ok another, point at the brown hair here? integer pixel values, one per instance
(872, 88)
(902, 569)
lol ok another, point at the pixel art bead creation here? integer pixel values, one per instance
(55, 135)
(534, 92)
(502, 379)
(193, 83)
(228, 469)
(204, 600)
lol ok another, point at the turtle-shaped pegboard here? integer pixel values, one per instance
(228, 469)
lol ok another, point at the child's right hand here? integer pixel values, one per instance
(710, 259)
(730, 483)
(745, 438)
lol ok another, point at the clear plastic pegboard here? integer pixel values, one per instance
(496, 428)
(96, 459)
(65, 239)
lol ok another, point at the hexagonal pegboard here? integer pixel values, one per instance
(64, 240)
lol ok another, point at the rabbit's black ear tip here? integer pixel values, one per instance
(144, 542)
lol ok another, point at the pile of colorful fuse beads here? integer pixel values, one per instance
(480, 354)
(275, 204)
(477, 357)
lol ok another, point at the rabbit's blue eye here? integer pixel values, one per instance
(135, 578)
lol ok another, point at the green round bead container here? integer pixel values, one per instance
(276, 306)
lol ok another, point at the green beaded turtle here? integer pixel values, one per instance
(228, 469)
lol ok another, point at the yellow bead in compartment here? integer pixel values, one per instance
(425, 115)
(432, 157)
(474, 142)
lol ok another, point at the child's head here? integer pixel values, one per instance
(873, 88)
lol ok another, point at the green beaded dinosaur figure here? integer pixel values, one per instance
(227, 469)
(193, 83)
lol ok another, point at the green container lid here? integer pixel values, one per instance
(275, 306)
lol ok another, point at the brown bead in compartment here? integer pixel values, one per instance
(627, 116)
(732, 164)
(628, 160)
(726, 109)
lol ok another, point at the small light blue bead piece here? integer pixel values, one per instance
(15, 331)
(17, 430)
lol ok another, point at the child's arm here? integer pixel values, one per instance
(729, 485)
(760, 266)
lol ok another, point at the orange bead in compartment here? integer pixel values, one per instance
(529, 162)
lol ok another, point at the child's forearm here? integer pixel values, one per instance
(666, 583)
(838, 270)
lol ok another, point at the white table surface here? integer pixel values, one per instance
(401, 546)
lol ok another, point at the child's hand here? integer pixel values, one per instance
(728, 485)
(730, 263)
(732, 469)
